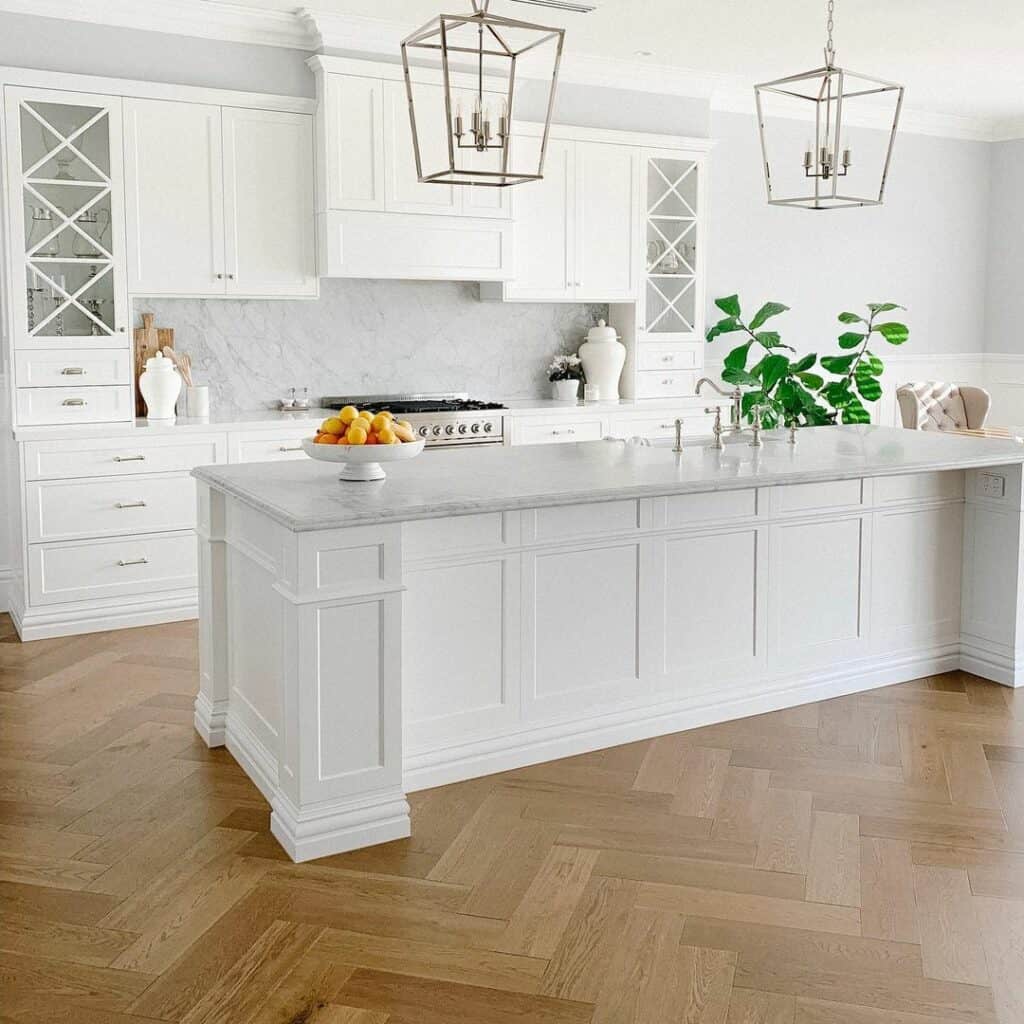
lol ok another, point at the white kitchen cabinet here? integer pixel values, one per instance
(175, 198)
(577, 228)
(351, 130)
(220, 200)
(268, 203)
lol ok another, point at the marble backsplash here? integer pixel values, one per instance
(368, 337)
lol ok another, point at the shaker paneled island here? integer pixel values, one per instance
(484, 610)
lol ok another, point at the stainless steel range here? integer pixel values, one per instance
(444, 420)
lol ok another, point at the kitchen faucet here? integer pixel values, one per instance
(735, 396)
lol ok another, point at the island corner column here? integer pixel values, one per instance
(992, 593)
(300, 671)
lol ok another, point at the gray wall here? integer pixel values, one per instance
(926, 247)
(79, 47)
(1005, 295)
(368, 337)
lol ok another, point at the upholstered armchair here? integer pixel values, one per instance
(933, 405)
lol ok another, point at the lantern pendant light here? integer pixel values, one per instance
(461, 75)
(825, 176)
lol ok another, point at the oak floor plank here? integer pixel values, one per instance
(951, 946)
(967, 771)
(741, 805)
(305, 993)
(888, 907)
(833, 875)
(1001, 923)
(702, 776)
(750, 1007)
(785, 840)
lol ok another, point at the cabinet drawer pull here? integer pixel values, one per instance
(73, 401)
(668, 359)
(571, 430)
(73, 371)
(294, 448)
(129, 458)
(668, 380)
(667, 426)
(130, 504)
(133, 561)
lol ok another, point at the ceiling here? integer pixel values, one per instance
(955, 57)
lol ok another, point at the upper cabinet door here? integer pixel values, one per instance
(404, 192)
(353, 124)
(174, 202)
(607, 200)
(268, 203)
(545, 229)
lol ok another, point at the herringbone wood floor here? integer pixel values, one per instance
(858, 861)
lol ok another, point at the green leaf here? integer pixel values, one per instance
(875, 365)
(893, 332)
(737, 358)
(770, 339)
(734, 375)
(884, 307)
(805, 363)
(750, 399)
(812, 380)
(768, 310)
(837, 364)
(854, 412)
(867, 384)
(724, 326)
(774, 369)
(851, 339)
(851, 318)
(837, 392)
(729, 305)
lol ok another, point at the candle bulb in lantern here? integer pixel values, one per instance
(847, 159)
(503, 121)
(808, 158)
(458, 119)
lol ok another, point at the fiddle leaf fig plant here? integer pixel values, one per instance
(789, 390)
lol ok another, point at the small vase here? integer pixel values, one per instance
(566, 390)
(160, 386)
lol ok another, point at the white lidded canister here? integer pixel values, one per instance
(603, 357)
(160, 385)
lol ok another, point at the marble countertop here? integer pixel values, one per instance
(307, 495)
(271, 419)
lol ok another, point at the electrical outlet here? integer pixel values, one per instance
(991, 485)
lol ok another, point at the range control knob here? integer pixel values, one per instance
(450, 429)
(488, 427)
(475, 428)
(463, 428)
(423, 431)
(437, 430)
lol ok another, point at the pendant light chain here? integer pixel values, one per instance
(830, 50)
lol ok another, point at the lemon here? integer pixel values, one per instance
(332, 426)
(357, 434)
(380, 421)
(386, 435)
(348, 414)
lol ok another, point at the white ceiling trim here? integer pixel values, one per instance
(310, 29)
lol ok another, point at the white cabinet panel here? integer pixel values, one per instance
(268, 194)
(46, 368)
(545, 226)
(354, 127)
(658, 384)
(275, 447)
(174, 202)
(105, 456)
(668, 357)
(607, 202)
(73, 405)
(560, 431)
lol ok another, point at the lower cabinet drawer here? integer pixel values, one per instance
(664, 425)
(68, 509)
(62, 368)
(562, 432)
(666, 357)
(91, 570)
(269, 448)
(127, 456)
(38, 406)
(660, 384)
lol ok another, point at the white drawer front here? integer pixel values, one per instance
(563, 432)
(90, 570)
(662, 384)
(270, 448)
(666, 357)
(37, 406)
(69, 509)
(105, 456)
(663, 425)
(67, 369)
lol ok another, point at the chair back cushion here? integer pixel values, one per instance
(932, 405)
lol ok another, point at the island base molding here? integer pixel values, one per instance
(344, 667)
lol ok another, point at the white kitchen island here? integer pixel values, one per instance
(483, 610)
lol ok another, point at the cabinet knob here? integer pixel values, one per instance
(231, 277)
(220, 277)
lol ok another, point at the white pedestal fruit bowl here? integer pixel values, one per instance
(362, 462)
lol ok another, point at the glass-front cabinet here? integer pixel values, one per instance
(672, 301)
(66, 193)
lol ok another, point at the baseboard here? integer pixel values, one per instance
(53, 621)
(549, 743)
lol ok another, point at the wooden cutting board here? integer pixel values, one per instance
(148, 341)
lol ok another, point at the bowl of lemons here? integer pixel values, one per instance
(361, 440)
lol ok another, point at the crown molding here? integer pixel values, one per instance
(311, 29)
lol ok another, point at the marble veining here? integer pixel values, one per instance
(367, 337)
(308, 495)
